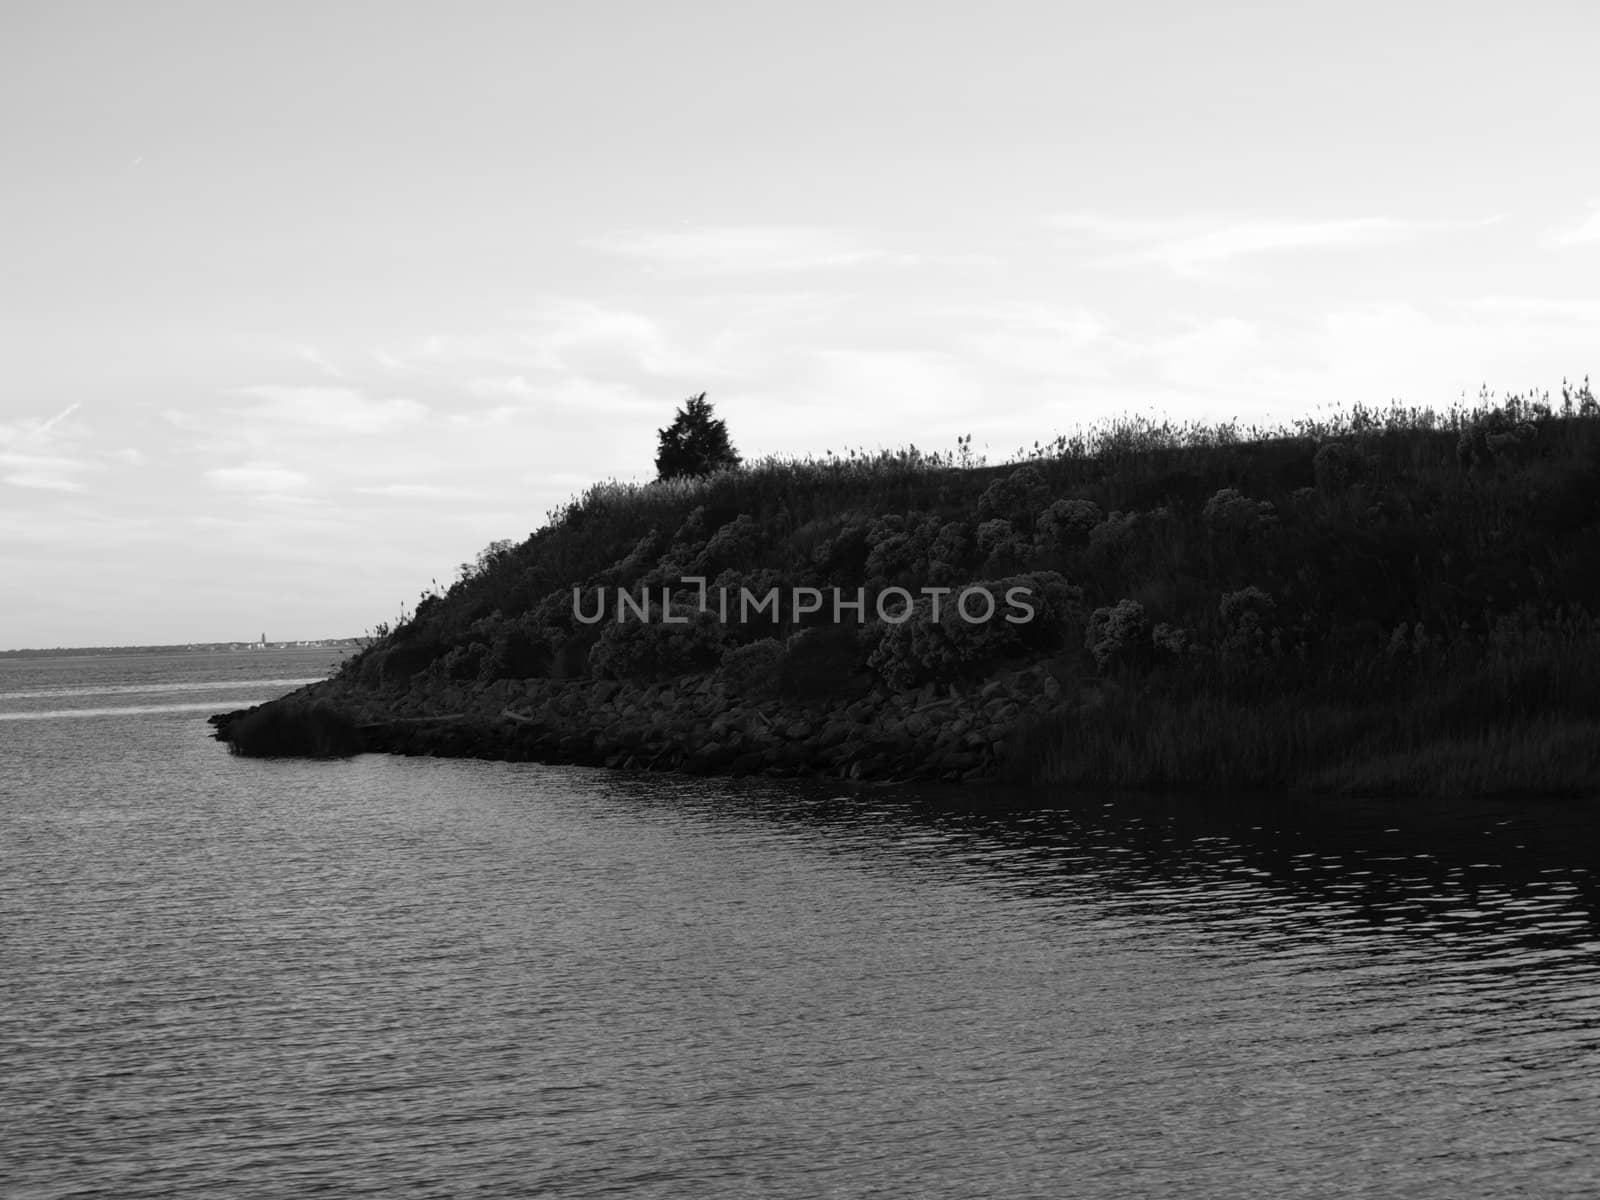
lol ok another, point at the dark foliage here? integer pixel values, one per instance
(1227, 586)
(286, 731)
(695, 444)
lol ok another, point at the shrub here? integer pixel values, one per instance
(1111, 538)
(636, 564)
(1490, 435)
(1338, 466)
(844, 555)
(282, 730)
(1171, 641)
(819, 662)
(654, 648)
(1117, 633)
(1016, 498)
(400, 662)
(741, 625)
(752, 669)
(516, 653)
(1229, 511)
(1067, 524)
(920, 649)
(1409, 642)
(892, 558)
(463, 661)
(952, 553)
(1247, 622)
(736, 544)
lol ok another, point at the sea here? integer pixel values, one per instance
(419, 977)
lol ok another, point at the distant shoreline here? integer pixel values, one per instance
(189, 648)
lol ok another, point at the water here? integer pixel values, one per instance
(440, 978)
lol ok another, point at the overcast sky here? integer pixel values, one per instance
(303, 304)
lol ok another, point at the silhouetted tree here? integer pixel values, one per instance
(696, 443)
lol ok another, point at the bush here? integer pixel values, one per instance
(952, 554)
(844, 555)
(1249, 631)
(1111, 538)
(463, 661)
(920, 650)
(516, 653)
(1230, 512)
(819, 663)
(281, 730)
(654, 648)
(1066, 524)
(736, 544)
(752, 670)
(1118, 633)
(1171, 641)
(893, 557)
(1338, 466)
(1016, 498)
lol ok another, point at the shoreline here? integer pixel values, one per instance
(697, 725)
(987, 733)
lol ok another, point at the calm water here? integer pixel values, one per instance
(239, 978)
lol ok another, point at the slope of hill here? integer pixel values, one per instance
(1395, 601)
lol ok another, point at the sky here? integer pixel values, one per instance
(302, 305)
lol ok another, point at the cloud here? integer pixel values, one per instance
(863, 387)
(1118, 229)
(31, 453)
(947, 260)
(1192, 254)
(1041, 340)
(318, 360)
(554, 336)
(495, 387)
(56, 420)
(1587, 230)
(742, 248)
(1193, 247)
(32, 430)
(338, 409)
(1210, 353)
(257, 477)
(1542, 308)
(47, 472)
(419, 491)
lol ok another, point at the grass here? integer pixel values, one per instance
(1516, 714)
(1389, 599)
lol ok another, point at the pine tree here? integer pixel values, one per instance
(696, 443)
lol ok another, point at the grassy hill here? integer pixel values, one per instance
(1393, 600)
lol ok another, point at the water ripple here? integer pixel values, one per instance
(433, 978)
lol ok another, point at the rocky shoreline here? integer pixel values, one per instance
(695, 725)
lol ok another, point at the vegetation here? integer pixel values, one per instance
(279, 731)
(696, 443)
(1392, 600)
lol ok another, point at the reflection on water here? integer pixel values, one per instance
(125, 710)
(434, 978)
